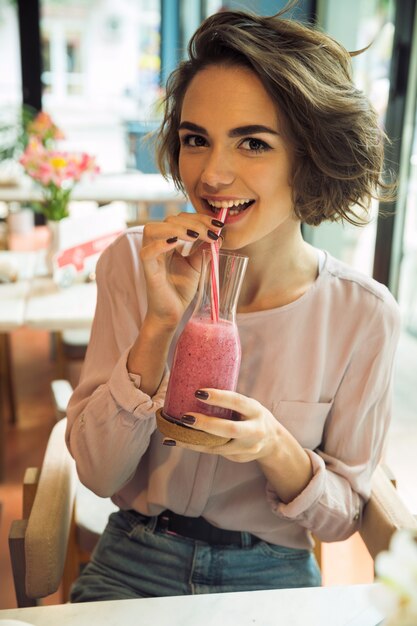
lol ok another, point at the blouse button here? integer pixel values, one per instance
(356, 517)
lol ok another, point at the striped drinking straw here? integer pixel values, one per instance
(215, 273)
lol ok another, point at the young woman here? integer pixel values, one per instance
(263, 118)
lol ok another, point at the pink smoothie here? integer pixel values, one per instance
(207, 355)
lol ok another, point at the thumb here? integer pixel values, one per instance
(195, 254)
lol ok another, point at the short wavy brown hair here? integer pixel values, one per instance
(333, 128)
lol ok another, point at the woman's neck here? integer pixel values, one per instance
(282, 266)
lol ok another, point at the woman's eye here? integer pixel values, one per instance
(193, 141)
(254, 145)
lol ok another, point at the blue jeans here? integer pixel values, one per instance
(133, 560)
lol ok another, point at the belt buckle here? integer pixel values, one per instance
(164, 523)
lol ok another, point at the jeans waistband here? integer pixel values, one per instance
(200, 529)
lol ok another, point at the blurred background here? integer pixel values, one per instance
(102, 66)
(98, 67)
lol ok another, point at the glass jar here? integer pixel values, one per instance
(208, 351)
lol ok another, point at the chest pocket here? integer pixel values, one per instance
(304, 420)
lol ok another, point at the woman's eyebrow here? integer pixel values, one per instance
(240, 131)
(251, 129)
(193, 127)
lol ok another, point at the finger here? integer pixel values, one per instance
(230, 450)
(196, 225)
(194, 255)
(158, 247)
(160, 240)
(198, 218)
(247, 407)
(229, 429)
(168, 232)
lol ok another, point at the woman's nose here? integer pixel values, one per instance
(218, 170)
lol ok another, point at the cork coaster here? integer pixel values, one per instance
(187, 435)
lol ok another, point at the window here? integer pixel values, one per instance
(10, 93)
(10, 74)
(101, 71)
(358, 24)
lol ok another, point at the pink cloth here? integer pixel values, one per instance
(322, 365)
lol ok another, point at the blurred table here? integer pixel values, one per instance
(53, 308)
(321, 606)
(134, 187)
(35, 302)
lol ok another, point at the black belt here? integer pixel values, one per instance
(201, 530)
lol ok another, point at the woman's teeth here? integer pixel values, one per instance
(234, 206)
(235, 211)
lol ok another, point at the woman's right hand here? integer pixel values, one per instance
(172, 279)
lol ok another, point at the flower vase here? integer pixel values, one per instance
(53, 245)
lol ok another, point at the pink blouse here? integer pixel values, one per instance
(322, 365)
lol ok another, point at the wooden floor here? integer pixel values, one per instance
(344, 562)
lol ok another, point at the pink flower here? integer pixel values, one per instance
(44, 128)
(54, 166)
(57, 172)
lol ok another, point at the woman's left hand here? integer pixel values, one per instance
(257, 436)
(254, 436)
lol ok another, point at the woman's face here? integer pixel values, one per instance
(233, 153)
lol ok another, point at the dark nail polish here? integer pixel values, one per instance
(192, 233)
(201, 395)
(169, 442)
(188, 419)
(217, 223)
(172, 239)
(212, 235)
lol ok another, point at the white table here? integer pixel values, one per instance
(54, 308)
(35, 303)
(13, 294)
(326, 606)
(12, 304)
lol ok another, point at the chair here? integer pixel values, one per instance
(69, 346)
(384, 513)
(61, 393)
(61, 522)
(47, 546)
